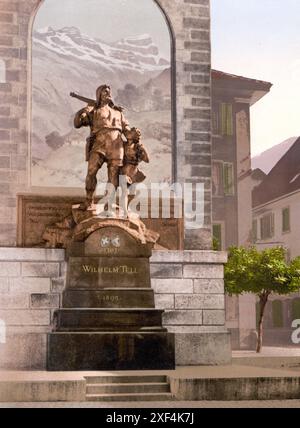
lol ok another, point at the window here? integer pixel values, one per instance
(228, 179)
(277, 314)
(296, 309)
(217, 178)
(254, 231)
(267, 226)
(222, 178)
(286, 227)
(226, 119)
(222, 119)
(217, 236)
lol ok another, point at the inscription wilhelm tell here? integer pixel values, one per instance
(110, 270)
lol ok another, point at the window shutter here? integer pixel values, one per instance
(228, 179)
(267, 226)
(215, 121)
(217, 234)
(229, 125)
(272, 219)
(226, 111)
(277, 314)
(223, 119)
(254, 231)
(296, 309)
(286, 220)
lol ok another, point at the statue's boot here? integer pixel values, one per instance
(88, 203)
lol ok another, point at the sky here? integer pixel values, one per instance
(261, 39)
(109, 20)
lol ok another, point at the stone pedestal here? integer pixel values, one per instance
(108, 319)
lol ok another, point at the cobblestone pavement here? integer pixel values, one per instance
(164, 405)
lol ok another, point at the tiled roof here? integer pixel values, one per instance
(283, 179)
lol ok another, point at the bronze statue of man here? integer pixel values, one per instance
(107, 124)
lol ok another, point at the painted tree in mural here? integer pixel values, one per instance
(262, 273)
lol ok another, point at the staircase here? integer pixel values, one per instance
(128, 388)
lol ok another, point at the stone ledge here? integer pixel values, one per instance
(204, 257)
(28, 317)
(195, 329)
(58, 255)
(204, 349)
(43, 391)
(32, 254)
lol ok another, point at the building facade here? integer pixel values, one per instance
(276, 209)
(232, 98)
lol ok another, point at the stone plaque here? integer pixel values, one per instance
(108, 272)
(35, 212)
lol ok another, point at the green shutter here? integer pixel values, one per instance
(226, 112)
(223, 118)
(272, 228)
(254, 231)
(296, 309)
(277, 314)
(215, 121)
(217, 235)
(228, 179)
(229, 126)
(286, 220)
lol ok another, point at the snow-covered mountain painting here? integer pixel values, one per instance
(65, 60)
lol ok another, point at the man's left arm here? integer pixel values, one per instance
(125, 125)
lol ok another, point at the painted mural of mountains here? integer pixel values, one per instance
(64, 61)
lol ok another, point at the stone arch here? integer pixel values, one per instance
(165, 16)
(189, 21)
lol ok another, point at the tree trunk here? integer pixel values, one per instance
(263, 299)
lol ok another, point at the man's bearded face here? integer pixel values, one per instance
(106, 96)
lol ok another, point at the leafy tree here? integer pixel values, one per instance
(262, 273)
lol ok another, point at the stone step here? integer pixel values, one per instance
(125, 379)
(109, 298)
(131, 388)
(96, 351)
(107, 319)
(130, 397)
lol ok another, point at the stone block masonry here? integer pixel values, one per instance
(188, 285)
(192, 290)
(31, 282)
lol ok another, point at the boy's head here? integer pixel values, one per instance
(134, 135)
